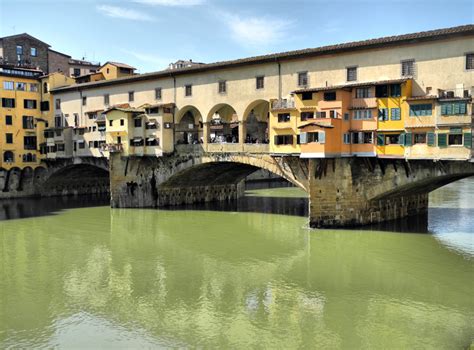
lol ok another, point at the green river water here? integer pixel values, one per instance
(77, 274)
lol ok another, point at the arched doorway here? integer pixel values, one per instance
(255, 124)
(223, 124)
(189, 127)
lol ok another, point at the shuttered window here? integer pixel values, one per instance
(380, 139)
(454, 108)
(303, 79)
(395, 114)
(351, 73)
(383, 114)
(442, 140)
(468, 140)
(408, 68)
(421, 110)
(431, 138)
(470, 61)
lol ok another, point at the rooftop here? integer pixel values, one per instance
(352, 85)
(413, 38)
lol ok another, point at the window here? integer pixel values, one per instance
(408, 68)
(283, 139)
(21, 86)
(8, 102)
(330, 96)
(383, 114)
(58, 103)
(395, 114)
(307, 96)
(122, 122)
(283, 117)
(362, 137)
(8, 138)
(306, 115)
(152, 142)
(320, 114)
(45, 88)
(346, 116)
(310, 137)
(131, 96)
(260, 83)
(157, 93)
(111, 123)
(303, 79)
(29, 104)
(453, 108)
(362, 114)
(8, 120)
(470, 61)
(58, 121)
(84, 100)
(351, 73)
(76, 120)
(76, 72)
(61, 147)
(33, 87)
(29, 142)
(332, 114)
(363, 92)
(419, 138)
(28, 122)
(19, 50)
(222, 87)
(395, 90)
(8, 85)
(394, 139)
(34, 52)
(82, 144)
(455, 139)
(346, 138)
(420, 110)
(106, 99)
(188, 90)
(137, 122)
(381, 91)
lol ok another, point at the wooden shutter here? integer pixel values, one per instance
(431, 138)
(462, 108)
(380, 139)
(468, 140)
(408, 139)
(321, 137)
(442, 140)
(275, 140)
(303, 137)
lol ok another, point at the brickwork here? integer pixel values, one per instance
(26, 42)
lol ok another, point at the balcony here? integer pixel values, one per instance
(112, 147)
(367, 102)
(283, 104)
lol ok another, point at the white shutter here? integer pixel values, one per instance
(321, 137)
(361, 137)
(303, 138)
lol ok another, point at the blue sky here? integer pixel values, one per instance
(149, 34)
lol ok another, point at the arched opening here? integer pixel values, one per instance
(8, 157)
(77, 179)
(256, 117)
(223, 124)
(189, 127)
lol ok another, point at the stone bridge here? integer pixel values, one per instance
(69, 176)
(342, 191)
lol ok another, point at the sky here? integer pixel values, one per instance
(149, 34)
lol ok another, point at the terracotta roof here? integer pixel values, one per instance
(421, 98)
(396, 40)
(352, 85)
(125, 107)
(316, 124)
(94, 111)
(118, 64)
(147, 105)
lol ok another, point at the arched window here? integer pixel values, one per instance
(8, 157)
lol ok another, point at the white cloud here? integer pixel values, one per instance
(157, 61)
(170, 2)
(254, 31)
(124, 13)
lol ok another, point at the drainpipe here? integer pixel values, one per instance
(174, 110)
(279, 81)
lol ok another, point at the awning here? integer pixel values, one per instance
(151, 139)
(137, 139)
(153, 122)
(217, 127)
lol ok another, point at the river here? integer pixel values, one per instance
(249, 274)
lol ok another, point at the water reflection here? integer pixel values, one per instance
(96, 277)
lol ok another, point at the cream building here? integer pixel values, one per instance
(216, 102)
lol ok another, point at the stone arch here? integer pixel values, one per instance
(223, 124)
(256, 121)
(189, 125)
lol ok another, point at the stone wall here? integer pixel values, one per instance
(9, 51)
(58, 62)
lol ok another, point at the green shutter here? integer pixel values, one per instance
(462, 108)
(380, 139)
(444, 109)
(449, 109)
(401, 139)
(442, 140)
(468, 140)
(408, 139)
(456, 107)
(431, 138)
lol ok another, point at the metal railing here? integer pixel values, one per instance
(283, 104)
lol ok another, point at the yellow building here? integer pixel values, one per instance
(114, 70)
(392, 111)
(140, 131)
(21, 97)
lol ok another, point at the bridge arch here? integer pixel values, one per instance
(189, 125)
(223, 124)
